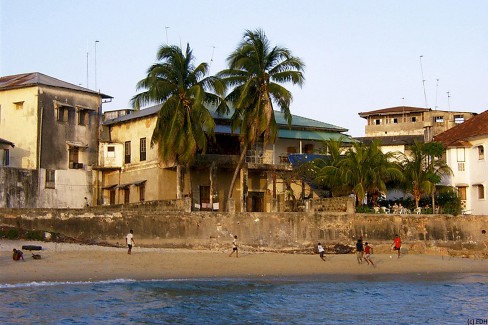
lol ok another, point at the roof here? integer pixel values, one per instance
(36, 78)
(5, 144)
(461, 133)
(393, 140)
(394, 110)
(298, 122)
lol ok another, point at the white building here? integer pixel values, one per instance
(465, 154)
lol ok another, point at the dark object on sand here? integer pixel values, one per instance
(342, 249)
(36, 256)
(32, 248)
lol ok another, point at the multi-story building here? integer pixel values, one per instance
(398, 127)
(465, 154)
(50, 134)
(130, 170)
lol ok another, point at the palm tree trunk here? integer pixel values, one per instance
(236, 172)
(179, 191)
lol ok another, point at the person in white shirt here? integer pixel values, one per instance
(129, 239)
(321, 251)
(234, 247)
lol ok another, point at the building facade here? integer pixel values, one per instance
(53, 127)
(130, 170)
(465, 154)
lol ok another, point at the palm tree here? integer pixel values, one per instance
(255, 72)
(367, 169)
(423, 170)
(183, 122)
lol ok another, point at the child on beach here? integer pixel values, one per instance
(397, 244)
(368, 250)
(17, 255)
(321, 251)
(129, 239)
(359, 250)
(234, 247)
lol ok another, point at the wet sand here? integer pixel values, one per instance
(73, 262)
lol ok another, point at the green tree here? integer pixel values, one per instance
(327, 173)
(423, 169)
(183, 122)
(366, 169)
(255, 73)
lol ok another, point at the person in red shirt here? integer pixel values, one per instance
(397, 244)
(368, 250)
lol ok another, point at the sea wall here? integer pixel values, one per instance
(169, 226)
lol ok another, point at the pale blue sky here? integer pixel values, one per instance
(360, 55)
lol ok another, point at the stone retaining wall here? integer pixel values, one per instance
(155, 226)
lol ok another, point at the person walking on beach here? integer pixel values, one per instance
(368, 250)
(234, 247)
(129, 239)
(321, 251)
(359, 250)
(17, 255)
(397, 244)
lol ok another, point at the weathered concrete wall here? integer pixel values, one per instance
(168, 226)
(18, 187)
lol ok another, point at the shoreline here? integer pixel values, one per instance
(82, 263)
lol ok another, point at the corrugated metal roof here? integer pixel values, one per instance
(5, 144)
(297, 121)
(312, 135)
(394, 110)
(36, 78)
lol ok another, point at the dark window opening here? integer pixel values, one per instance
(142, 152)
(50, 178)
(127, 152)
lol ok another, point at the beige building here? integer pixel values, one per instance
(129, 169)
(53, 128)
(411, 121)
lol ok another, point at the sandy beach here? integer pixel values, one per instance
(73, 262)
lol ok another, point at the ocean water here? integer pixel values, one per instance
(461, 299)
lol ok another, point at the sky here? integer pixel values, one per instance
(360, 55)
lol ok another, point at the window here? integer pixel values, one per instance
(481, 153)
(126, 195)
(50, 178)
(4, 157)
(127, 152)
(481, 192)
(142, 148)
(142, 192)
(395, 120)
(439, 119)
(19, 105)
(83, 117)
(291, 150)
(460, 166)
(458, 119)
(460, 154)
(62, 114)
(377, 122)
(110, 152)
(74, 153)
(308, 148)
(414, 119)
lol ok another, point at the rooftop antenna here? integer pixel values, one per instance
(166, 29)
(87, 70)
(436, 91)
(423, 81)
(448, 100)
(213, 50)
(96, 89)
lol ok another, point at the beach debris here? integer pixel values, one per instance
(36, 256)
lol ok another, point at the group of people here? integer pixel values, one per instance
(363, 251)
